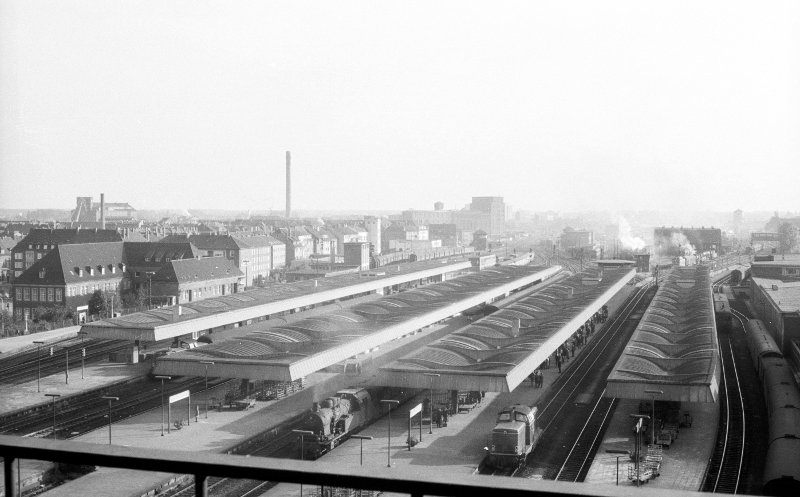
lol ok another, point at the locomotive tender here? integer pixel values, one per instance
(513, 437)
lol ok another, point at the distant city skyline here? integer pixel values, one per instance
(565, 106)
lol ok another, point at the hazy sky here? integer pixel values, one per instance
(391, 105)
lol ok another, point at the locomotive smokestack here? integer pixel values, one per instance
(288, 184)
(102, 211)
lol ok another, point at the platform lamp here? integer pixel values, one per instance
(653, 393)
(53, 396)
(38, 343)
(302, 434)
(162, 378)
(430, 403)
(389, 428)
(109, 399)
(640, 417)
(207, 364)
(362, 438)
(619, 453)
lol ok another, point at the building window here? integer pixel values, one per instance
(26, 294)
(59, 295)
(18, 255)
(35, 294)
(19, 293)
(50, 294)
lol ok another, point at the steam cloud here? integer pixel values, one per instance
(679, 240)
(629, 241)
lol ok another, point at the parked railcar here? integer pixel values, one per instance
(761, 344)
(782, 467)
(513, 437)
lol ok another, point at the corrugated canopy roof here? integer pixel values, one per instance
(674, 347)
(492, 354)
(319, 341)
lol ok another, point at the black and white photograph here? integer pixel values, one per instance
(271, 248)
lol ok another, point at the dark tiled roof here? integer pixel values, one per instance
(144, 253)
(190, 270)
(60, 264)
(215, 242)
(69, 236)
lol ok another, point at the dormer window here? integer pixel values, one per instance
(122, 267)
(101, 269)
(90, 270)
(146, 259)
(113, 268)
(79, 272)
(42, 272)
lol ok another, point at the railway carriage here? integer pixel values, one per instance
(761, 344)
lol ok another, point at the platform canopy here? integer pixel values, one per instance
(291, 351)
(497, 352)
(674, 348)
(201, 315)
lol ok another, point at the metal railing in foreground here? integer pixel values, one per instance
(416, 481)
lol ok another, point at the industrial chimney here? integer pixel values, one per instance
(103, 211)
(288, 184)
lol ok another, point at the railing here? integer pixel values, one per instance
(416, 481)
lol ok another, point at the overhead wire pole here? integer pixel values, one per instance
(302, 434)
(38, 343)
(53, 396)
(109, 399)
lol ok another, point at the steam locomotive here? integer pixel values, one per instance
(334, 419)
(513, 437)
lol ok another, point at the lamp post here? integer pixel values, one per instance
(302, 434)
(618, 454)
(207, 364)
(641, 417)
(149, 289)
(38, 343)
(389, 428)
(362, 438)
(653, 420)
(162, 378)
(53, 396)
(430, 403)
(109, 399)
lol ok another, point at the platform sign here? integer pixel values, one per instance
(415, 410)
(178, 396)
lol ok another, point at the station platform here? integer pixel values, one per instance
(214, 431)
(21, 343)
(683, 465)
(457, 448)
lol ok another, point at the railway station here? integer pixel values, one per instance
(498, 352)
(239, 309)
(291, 351)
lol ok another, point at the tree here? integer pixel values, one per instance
(97, 303)
(7, 323)
(789, 237)
(59, 313)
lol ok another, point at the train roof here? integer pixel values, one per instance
(520, 408)
(782, 467)
(506, 426)
(760, 341)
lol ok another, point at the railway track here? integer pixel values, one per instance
(82, 413)
(728, 466)
(560, 454)
(28, 366)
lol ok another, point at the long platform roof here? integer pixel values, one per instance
(166, 322)
(674, 347)
(493, 353)
(294, 350)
